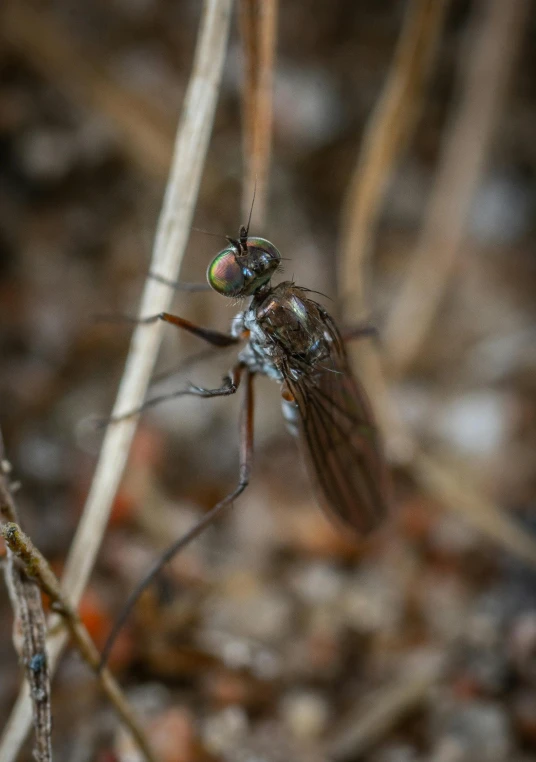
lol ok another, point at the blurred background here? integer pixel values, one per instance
(272, 637)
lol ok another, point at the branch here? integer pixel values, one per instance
(172, 233)
(36, 567)
(29, 619)
(387, 135)
(385, 140)
(492, 45)
(369, 723)
(258, 28)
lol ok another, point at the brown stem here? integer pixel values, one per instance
(37, 567)
(258, 27)
(173, 229)
(29, 630)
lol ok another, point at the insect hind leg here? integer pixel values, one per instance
(246, 458)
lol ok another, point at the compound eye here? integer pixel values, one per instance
(261, 244)
(225, 275)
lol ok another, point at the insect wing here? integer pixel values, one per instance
(341, 442)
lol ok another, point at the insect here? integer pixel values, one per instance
(286, 335)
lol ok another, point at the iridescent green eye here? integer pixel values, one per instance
(224, 273)
(259, 246)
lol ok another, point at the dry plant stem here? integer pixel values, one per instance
(383, 711)
(38, 569)
(146, 134)
(247, 17)
(171, 237)
(383, 143)
(384, 140)
(386, 137)
(456, 490)
(27, 606)
(492, 45)
(29, 619)
(258, 27)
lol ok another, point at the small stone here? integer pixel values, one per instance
(372, 601)
(486, 618)
(476, 423)
(305, 713)
(524, 715)
(317, 583)
(396, 753)
(488, 668)
(223, 732)
(251, 611)
(453, 537)
(501, 209)
(522, 645)
(171, 735)
(474, 731)
(47, 154)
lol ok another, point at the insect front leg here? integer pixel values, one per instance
(178, 285)
(216, 338)
(245, 460)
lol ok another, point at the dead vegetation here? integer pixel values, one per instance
(272, 637)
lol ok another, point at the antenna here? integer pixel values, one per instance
(243, 233)
(246, 231)
(208, 232)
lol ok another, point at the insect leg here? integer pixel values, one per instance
(188, 362)
(216, 338)
(178, 286)
(360, 331)
(246, 457)
(229, 386)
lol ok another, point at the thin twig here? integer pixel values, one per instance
(38, 569)
(171, 237)
(29, 629)
(146, 134)
(492, 46)
(386, 137)
(368, 724)
(250, 44)
(258, 26)
(383, 144)
(30, 619)
(457, 491)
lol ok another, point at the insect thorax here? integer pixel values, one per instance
(285, 331)
(256, 354)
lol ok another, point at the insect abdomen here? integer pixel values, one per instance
(291, 416)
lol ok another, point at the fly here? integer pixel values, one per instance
(291, 338)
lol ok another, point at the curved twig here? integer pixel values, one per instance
(172, 233)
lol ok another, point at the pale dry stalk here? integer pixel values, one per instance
(258, 27)
(485, 67)
(172, 234)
